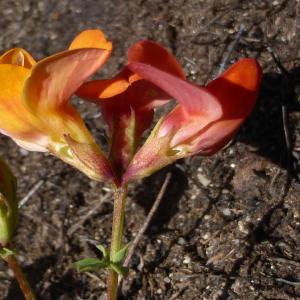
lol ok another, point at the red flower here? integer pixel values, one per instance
(204, 120)
(127, 101)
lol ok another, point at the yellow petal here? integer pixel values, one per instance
(18, 56)
(93, 38)
(15, 120)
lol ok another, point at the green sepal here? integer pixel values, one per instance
(123, 271)
(119, 257)
(91, 264)
(104, 252)
(5, 252)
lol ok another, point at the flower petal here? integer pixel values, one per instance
(15, 120)
(194, 99)
(92, 38)
(18, 56)
(144, 52)
(149, 52)
(237, 89)
(54, 79)
(215, 137)
(107, 88)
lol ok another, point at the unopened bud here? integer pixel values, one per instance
(8, 203)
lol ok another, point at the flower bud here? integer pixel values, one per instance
(8, 203)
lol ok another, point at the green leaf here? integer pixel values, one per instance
(5, 252)
(103, 251)
(120, 255)
(90, 264)
(123, 271)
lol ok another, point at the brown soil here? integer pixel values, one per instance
(228, 227)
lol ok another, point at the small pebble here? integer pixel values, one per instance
(181, 241)
(167, 280)
(226, 212)
(203, 180)
(187, 260)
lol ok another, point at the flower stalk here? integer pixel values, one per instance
(20, 277)
(117, 237)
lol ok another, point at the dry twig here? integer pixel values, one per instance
(230, 49)
(31, 193)
(148, 220)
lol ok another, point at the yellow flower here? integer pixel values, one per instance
(34, 101)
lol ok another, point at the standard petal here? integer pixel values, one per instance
(53, 81)
(18, 56)
(149, 52)
(92, 38)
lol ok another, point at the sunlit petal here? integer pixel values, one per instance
(15, 120)
(92, 38)
(18, 56)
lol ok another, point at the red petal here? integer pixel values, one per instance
(195, 100)
(149, 52)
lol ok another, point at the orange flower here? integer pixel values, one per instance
(204, 120)
(34, 101)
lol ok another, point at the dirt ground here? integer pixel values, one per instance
(228, 227)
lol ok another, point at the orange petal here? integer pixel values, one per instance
(237, 88)
(92, 38)
(246, 73)
(15, 120)
(56, 78)
(53, 81)
(103, 89)
(18, 56)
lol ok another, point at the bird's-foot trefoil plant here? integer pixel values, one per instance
(8, 223)
(36, 113)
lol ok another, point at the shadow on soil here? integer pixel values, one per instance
(264, 130)
(36, 275)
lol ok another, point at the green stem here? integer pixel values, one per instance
(117, 237)
(20, 277)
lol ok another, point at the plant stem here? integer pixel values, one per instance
(117, 237)
(20, 277)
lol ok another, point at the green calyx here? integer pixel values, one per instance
(107, 262)
(8, 203)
